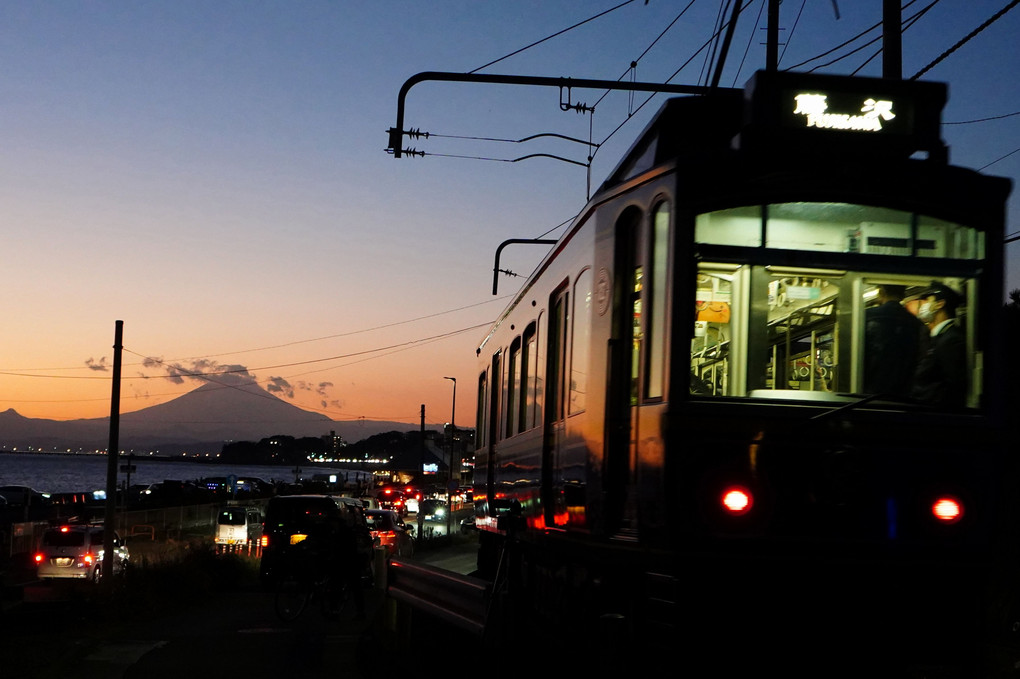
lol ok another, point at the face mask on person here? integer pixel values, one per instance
(926, 312)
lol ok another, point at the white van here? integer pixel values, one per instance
(238, 527)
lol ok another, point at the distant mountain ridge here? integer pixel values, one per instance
(202, 419)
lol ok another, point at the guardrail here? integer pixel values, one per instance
(460, 600)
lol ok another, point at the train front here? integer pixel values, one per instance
(835, 464)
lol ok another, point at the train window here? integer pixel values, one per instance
(480, 415)
(735, 226)
(658, 285)
(580, 342)
(918, 340)
(713, 330)
(802, 330)
(531, 370)
(513, 386)
(558, 318)
(840, 227)
(816, 333)
(494, 393)
(950, 240)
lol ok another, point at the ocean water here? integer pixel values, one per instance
(60, 473)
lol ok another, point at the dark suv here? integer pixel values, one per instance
(291, 519)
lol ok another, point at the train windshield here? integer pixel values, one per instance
(901, 327)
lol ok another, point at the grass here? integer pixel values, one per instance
(167, 576)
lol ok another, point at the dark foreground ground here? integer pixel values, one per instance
(201, 616)
(232, 635)
(206, 616)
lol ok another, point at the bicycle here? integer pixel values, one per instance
(305, 580)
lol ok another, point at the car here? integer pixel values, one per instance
(390, 498)
(468, 524)
(390, 531)
(76, 552)
(434, 510)
(23, 495)
(291, 519)
(238, 527)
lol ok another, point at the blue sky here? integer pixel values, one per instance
(214, 175)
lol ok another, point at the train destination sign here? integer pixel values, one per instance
(855, 111)
(795, 108)
(815, 109)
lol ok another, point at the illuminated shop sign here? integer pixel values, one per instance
(870, 117)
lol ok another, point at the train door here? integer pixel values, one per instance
(635, 455)
(493, 426)
(555, 421)
(624, 364)
(648, 403)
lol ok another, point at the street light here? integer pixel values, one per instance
(449, 485)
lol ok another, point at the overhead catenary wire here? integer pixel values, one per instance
(550, 37)
(998, 15)
(750, 40)
(670, 78)
(983, 167)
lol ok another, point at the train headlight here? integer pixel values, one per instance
(737, 500)
(947, 509)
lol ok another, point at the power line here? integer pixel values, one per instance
(557, 33)
(983, 120)
(983, 167)
(18, 371)
(966, 39)
(234, 371)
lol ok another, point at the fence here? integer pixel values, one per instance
(157, 524)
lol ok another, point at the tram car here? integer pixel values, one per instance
(689, 434)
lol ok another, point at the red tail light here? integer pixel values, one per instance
(87, 559)
(947, 509)
(737, 500)
(264, 541)
(39, 558)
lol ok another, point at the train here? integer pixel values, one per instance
(680, 444)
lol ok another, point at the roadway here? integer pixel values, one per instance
(59, 631)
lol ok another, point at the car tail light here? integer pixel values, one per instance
(737, 500)
(947, 509)
(40, 557)
(264, 542)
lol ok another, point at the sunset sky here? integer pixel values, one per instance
(214, 175)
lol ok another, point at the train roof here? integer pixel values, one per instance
(794, 113)
(783, 118)
(688, 125)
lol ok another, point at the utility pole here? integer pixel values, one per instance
(111, 461)
(892, 40)
(772, 38)
(421, 476)
(450, 485)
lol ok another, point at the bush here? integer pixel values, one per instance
(168, 575)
